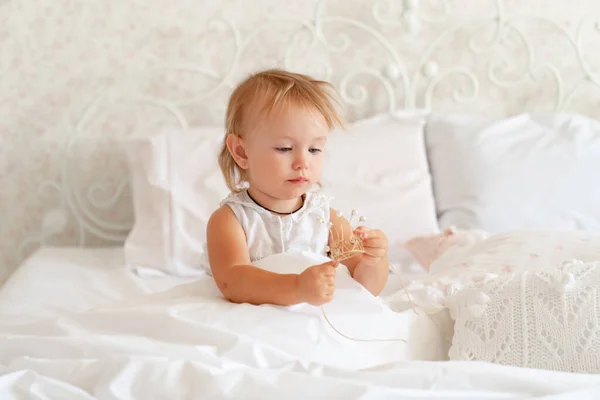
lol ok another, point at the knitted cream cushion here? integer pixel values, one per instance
(546, 319)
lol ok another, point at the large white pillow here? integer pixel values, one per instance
(377, 166)
(544, 319)
(524, 172)
(177, 184)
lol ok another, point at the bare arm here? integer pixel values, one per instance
(229, 261)
(370, 269)
(241, 282)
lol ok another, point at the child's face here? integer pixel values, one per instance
(285, 152)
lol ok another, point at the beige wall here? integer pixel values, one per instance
(74, 75)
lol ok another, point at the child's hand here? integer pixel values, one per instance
(376, 246)
(316, 284)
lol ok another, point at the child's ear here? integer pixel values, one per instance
(235, 145)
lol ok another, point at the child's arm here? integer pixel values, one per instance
(241, 282)
(370, 269)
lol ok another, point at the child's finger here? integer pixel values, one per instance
(374, 242)
(329, 269)
(363, 233)
(361, 228)
(328, 274)
(333, 263)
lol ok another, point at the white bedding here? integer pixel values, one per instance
(58, 280)
(75, 324)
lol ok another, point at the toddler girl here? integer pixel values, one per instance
(277, 127)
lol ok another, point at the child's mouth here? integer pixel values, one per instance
(298, 180)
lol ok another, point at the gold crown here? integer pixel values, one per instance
(341, 247)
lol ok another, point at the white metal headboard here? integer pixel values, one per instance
(75, 75)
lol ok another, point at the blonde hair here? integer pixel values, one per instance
(271, 88)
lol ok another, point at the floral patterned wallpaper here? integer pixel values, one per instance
(75, 75)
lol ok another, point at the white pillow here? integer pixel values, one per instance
(523, 172)
(533, 319)
(177, 184)
(377, 166)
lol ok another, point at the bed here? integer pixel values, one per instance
(77, 324)
(492, 146)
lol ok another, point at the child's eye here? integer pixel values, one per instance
(283, 149)
(315, 150)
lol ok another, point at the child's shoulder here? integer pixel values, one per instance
(223, 214)
(228, 204)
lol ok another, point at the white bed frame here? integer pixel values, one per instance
(175, 66)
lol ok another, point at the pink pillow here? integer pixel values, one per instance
(429, 248)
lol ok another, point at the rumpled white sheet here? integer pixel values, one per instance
(187, 343)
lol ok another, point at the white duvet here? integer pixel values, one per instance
(189, 343)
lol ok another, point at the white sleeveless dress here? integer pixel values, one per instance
(268, 234)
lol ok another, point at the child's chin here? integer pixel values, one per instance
(295, 192)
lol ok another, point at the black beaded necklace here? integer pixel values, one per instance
(277, 212)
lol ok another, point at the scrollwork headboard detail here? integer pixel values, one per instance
(76, 75)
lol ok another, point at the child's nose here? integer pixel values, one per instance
(301, 162)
